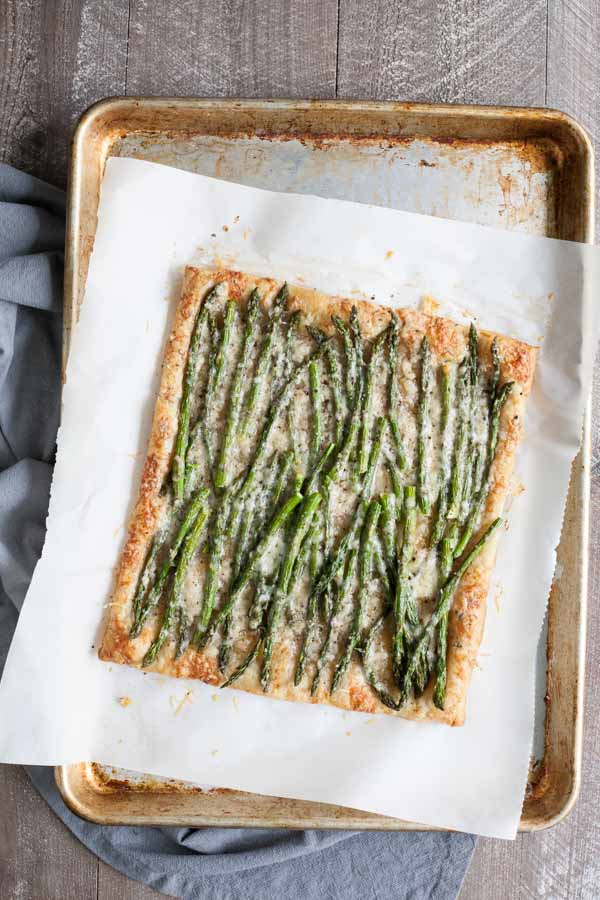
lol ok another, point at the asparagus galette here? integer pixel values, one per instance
(321, 500)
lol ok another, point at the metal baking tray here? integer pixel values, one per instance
(526, 170)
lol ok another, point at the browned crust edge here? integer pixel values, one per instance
(467, 618)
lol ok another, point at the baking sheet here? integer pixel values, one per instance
(335, 247)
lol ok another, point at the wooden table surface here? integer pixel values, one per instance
(59, 56)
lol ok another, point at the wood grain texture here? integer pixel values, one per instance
(449, 51)
(39, 857)
(114, 886)
(233, 48)
(56, 58)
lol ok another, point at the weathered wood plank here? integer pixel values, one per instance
(447, 51)
(39, 858)
(56, 58)
(233, 48)
(114, 886)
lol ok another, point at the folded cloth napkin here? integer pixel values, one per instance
(212, 863)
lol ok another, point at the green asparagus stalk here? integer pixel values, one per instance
(448, 393)
(370, 674)
(464, 502)
(245, 663)
(384, 571)
(277, 522)
(285, 465)
(369, 478)
(403, 603)
(314, 376)
(396, 481)
(424, 427)
(174, 601)
(185, 407)
(341, 594)
(388, 527)
(468, 490)
(345, 451)
(337, 391)
(302, 526)
(349, 352)
(240, 377)
(418, 657)
(282, 358)
(495, 371)
(367, 412)
(293, 438)
(246, 518)
(393, 344)
(231, 311)
(327, 523)
(215, 556)
(478, 470)
(334, 564)
(460, 440)
(453, 535)
(398, 444)
(199, 431)
(216, 371)
(473, 357)
(307, 553)
(477, 507)
(310, 543)
(364, 575)
(145, 579)
(357, 339)
(144, 607)
(287, 359)
(439, 692)
(262, 597)
(264, 360)
(259, 507)
(310, 483)
(360, 390)
(278, 406)
(311, 610)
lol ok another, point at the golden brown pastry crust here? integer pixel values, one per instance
(448, 342)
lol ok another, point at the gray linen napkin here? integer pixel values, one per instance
(213, 863)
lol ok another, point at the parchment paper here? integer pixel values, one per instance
(60, 704)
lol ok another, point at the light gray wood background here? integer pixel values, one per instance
(59, 56)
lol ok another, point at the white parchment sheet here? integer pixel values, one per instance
(59, 703)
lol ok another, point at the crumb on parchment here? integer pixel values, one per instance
(177, 704)
(125, 702)
(430, 306)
